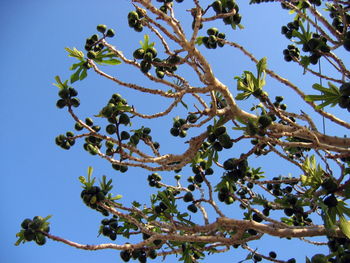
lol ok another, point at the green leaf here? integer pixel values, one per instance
(329, 95)
(145, 44)
(108, 62)
(83, 74)
(313, 173)
(74, 77)
(90, 170)
(117, 197)
(75, 53)
(20, 238)
(344, 226)
(261, 66)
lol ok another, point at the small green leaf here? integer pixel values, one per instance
(90, 170)
(75, 53)
(344, 226)
(74, 77)
(83, 74)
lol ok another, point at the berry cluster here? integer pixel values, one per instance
(134, 20)
(167, 65)
(344, 99)
(236, 169)
(340, 16)
(277, 104)
(32, 229)
(287, 30)
(292, 52)
(67, 98)
(93, 45)
(65, 141)
(177, 129)
(92, 195)
(147, 57)
(219, 138)
(214, 38)
(304, 4)
(340, 248)
(109, 227)
(154, 179)
(227, 7)
(188, 197)
(315, 46)
(139, 254)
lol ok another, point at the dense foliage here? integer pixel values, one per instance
(311, 203)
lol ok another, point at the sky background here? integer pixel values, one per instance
(39, 178)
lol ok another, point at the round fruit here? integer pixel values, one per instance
(345, 89)
(139, 53)
(272, 254)
(217, 6)
(229, 164)
(110, 33)
(25, 223)
(133, 15)
(61, 103)
(145, 66)
(193, 208)
(346, 44)
(330, 201)
(330, 185)
(40, 239)
(101, 28)
(188, 197)
(229, 200)
(29, 234)
(344, 102)
(111, 129)
(124, 135)
(153, 51)
(125, 255)
(264, 121)
(319, 258)
(124, 119)
(213, 31)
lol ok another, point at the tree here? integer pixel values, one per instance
(220, 137)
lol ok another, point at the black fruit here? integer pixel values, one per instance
(188, 197)
(272, 254)
(25, 223)
(124, 119)
(217, 6)
(319, 258)
(229, 164)
(344, 101)
(125, 255)
(264, 121)
(330, 185)
(139, 53)
(330, 201)
(29, 234)
(111, 129)
(110, 33)
(124, 135)
(345, 89)
(346, 44)
(193, 208)
(40, 239)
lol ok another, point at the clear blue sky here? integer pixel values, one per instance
(38, 177)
